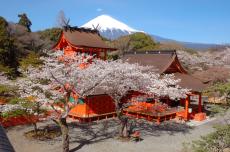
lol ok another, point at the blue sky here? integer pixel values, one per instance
(206, 21)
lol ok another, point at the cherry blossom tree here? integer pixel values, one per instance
(57, 80)
(205, 59)
(43, 84)
(124, 77)
(62, 76)
(28, 103)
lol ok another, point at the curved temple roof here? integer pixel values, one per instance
(161, 60)
(81, 38)
(190, 82)
(165, 62)
(78, 38)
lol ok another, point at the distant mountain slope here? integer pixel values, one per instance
(112, 29)
(191, 45)
(135, 41)
(199, 46)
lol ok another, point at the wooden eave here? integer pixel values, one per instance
(62, 36)
(174, 63)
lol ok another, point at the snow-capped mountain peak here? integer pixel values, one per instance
(107, 22)
(109, 27)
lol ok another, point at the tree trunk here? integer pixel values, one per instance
(124, 126)
(35, 128)
(123, 131)
(65, 134)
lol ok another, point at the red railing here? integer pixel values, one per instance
(20, 120)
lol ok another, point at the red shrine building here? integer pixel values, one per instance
(101, 106)
(82, 40)
(167, 62)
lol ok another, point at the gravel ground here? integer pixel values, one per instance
(98, 137)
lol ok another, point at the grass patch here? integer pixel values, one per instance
(217, 141)
(216, 109)
(47, 133)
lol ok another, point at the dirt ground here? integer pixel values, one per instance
(101, 136)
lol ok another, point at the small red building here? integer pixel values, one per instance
(167, 62)
(82, 40)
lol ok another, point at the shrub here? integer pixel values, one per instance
(213, 142)
(7, 91)
(4, 89)
(15, 100)
(219, 88)
(52, 34)
(8, 51)
(13, 113)
(141, 41)
(217, 109)
(32, 59)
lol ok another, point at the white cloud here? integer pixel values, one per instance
(99, 9)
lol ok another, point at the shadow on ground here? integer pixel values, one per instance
(85, 134)
(90, 133)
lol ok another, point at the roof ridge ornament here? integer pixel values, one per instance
(170, 52)
(80, 29)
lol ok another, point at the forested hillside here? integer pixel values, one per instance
(20, 47)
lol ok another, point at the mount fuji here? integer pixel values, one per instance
(109, 27)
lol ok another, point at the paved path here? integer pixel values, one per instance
(99, 137)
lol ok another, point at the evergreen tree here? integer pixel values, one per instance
(8, 52)
(53, 34)
(25, 21)
(141, 41)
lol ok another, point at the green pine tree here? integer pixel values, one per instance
(8, 52)
(25, 21)
(141, 41)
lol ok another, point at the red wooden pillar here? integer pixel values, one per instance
(90, 51)
(87, 106)
(97, 54)
(105, 54)
(158, 120)
(167, 101)
(182, 102)
(199, 104)
(187, 100)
